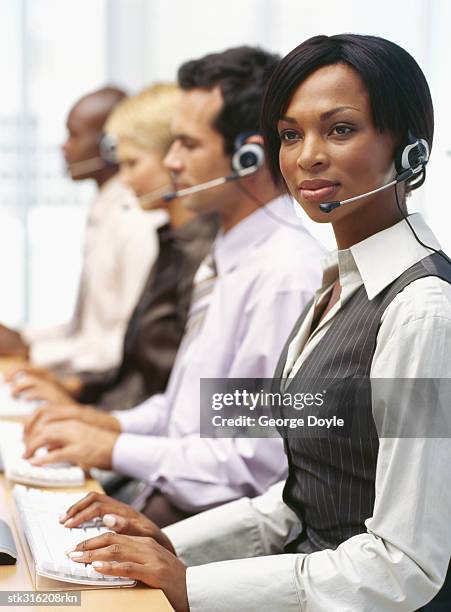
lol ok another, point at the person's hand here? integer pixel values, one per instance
(137, 558)
(26, 368)
(33, 388)
(12, 344)
(72, 441)
(116, 515)
(71, 385)
(74, 412)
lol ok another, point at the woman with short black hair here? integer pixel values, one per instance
(364, 516)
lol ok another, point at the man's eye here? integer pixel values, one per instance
(189, 144)
(288, 135)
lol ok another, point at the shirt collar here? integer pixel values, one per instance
(232, 247)
(383, 257)
(380, 259)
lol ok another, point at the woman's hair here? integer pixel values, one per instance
(398, 91)
(145, 119)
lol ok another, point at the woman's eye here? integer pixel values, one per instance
(341, 130)
(288, 135)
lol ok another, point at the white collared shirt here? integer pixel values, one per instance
(401, 562)
(267, 272)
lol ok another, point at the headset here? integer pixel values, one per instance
(247, 154)
(410, 160)
(247, 158)
(107, 157)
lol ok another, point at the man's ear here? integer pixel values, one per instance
(257, 138)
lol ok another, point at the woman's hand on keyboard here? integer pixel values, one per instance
(116, 515)
(63, 412)
(138, 558)
(71, 441)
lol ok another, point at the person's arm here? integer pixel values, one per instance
(84, 443)
(200, 472)
(252, 526)
(150, 417)
(242, 528)
(401, 562)
(12, 343)
(248, 527)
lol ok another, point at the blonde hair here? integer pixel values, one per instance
(146, 117)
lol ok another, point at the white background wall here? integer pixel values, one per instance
(70, 46)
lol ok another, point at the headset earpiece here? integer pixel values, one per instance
(107, 148)
(247, 155)
(413, 156)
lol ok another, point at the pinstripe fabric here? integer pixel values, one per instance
(330, 485)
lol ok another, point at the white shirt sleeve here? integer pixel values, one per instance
(401, 562)
(242, 528)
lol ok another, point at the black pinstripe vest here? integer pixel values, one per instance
(330, 484)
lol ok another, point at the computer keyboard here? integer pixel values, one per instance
(20, 470)
(11, 406)
(48, 540)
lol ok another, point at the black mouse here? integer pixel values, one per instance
(8, 552)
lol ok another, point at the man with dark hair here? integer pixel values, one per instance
(240, 73)
(260, 271)
(120, 246)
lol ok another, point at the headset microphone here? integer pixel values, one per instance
(409, 161)
(87, 165)
(210, 184)
(330, 206)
